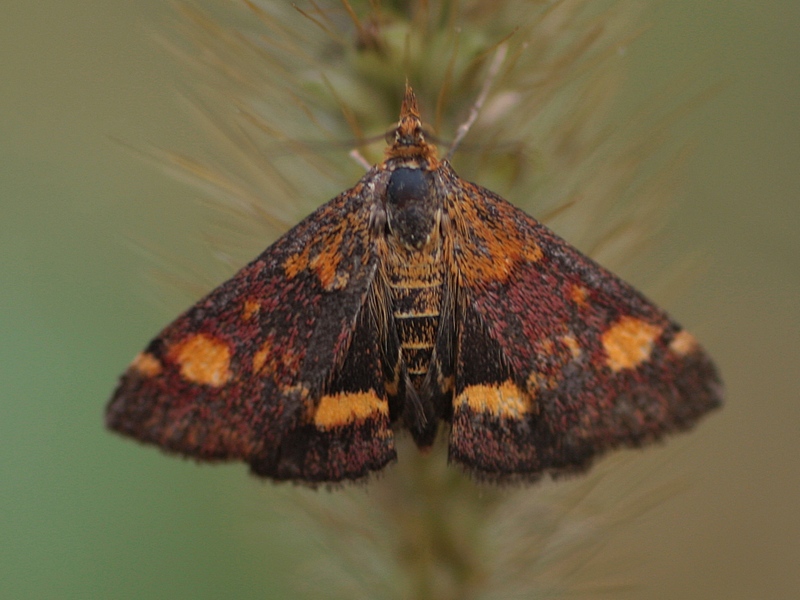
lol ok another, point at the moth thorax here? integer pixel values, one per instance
(412, 212)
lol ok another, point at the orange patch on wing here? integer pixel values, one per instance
(296, 263)
(261, 355)
(546, 347)
(683, 343)
(495, 249)
(579, 295)
(266, 360)
(326, 263)
(147, 364)
(532, 252)
(502, 400)
(324, 257)
(572, 343)
(251, 308)
(536, 382)
(629, 342)
(291, 359)
(203, 359)
(346, 408)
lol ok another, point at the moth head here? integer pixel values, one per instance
(408, 139)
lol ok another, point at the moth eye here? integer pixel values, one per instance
(390, 136)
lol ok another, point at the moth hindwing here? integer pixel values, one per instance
(414, 298)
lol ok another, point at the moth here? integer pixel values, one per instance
(412, 299)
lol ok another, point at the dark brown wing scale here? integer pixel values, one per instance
(412, 298)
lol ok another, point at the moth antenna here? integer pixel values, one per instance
(494, 69)
(359, 158)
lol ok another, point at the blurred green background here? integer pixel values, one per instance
(84, 514)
